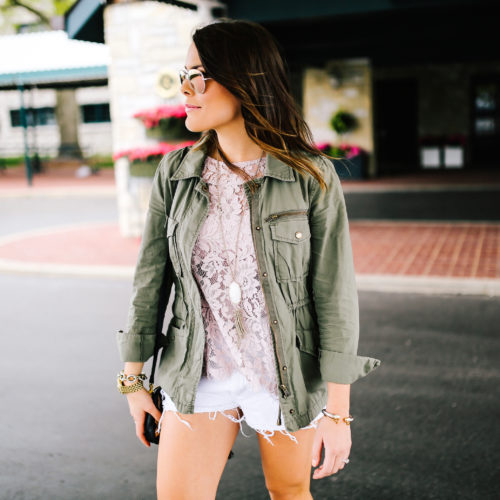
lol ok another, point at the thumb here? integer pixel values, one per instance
(316, 450)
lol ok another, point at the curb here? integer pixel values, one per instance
(428, 284)
(365, 282)
(61, 192)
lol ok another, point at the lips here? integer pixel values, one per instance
(189, 106)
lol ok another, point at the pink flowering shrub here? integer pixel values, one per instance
(344, 150)
(152, 117)
(155, 152)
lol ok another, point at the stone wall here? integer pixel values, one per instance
(144, 38)
(343, 84)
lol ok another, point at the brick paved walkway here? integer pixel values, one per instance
(393, 248)
(426, 249)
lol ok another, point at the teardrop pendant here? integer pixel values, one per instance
(234, 293)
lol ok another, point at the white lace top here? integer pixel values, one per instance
(255, 356)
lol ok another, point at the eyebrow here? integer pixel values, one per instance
(194, 67)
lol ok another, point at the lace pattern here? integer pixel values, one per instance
(254, 358)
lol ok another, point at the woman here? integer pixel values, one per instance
(265, 315)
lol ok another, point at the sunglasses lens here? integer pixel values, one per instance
(195, 79)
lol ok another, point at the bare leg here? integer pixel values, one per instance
(191, 461)
(287, 465)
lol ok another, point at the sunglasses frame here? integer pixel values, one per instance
(192, 73)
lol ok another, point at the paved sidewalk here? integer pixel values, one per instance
(428, 257)
(396, 256)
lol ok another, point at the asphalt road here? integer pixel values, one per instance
(426, 420)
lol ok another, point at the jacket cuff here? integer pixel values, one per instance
(342, 368)
(135, 348)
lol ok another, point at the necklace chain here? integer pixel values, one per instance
(235, 294)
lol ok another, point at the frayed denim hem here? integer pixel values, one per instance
(266, 433)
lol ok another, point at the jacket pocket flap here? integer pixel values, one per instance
(306, 342)
(170, 225)
(291, 231)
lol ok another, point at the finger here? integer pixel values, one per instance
(326, 468)
(316, 450)
(139, 430)
(154, 412)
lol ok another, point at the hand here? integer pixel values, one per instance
(336, 438)
(139, 403)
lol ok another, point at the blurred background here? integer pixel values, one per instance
(406, 93)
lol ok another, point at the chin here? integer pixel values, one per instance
(192, 127)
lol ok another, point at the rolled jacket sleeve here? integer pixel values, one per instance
(138, 341)
(334, 284)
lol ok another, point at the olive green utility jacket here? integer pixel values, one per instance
(303, 250)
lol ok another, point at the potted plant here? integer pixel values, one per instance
(351, 160)
(144, 161)
(166, 123)
(343, 122)
(454, 151)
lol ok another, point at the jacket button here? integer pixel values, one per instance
(284, 368)
(298, 235)
(275, 321)
(257, 227)
(264, 274)
(292, 411)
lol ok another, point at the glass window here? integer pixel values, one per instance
(486, 97)
(95, 113)
(485, 126)
(34, 116)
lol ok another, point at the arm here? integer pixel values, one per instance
(337, 310)
(334, 285)
(136, 344)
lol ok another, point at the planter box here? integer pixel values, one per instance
(143, 168)
(352, 168)
(430, 156)
(453, 156)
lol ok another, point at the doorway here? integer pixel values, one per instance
(395, 125)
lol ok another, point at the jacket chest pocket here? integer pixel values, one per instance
(291, 239)
(171, 227)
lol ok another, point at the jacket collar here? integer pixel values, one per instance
(192, 165)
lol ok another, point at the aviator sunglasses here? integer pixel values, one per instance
(196, 79)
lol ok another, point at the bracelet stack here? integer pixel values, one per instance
(136, 386)
(336, 418)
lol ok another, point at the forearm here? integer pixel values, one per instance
(133, 368)
(338, 398)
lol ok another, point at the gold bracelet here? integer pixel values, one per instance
(336, 418)
(125, 389)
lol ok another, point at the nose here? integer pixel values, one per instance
(186, 88)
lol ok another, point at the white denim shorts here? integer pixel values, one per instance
(260, 409)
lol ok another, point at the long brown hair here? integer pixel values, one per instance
(244, 58)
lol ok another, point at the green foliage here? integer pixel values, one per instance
(343, 121)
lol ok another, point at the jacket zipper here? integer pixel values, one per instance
(282, 386)
(284, 214)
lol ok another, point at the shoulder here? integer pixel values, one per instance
(171, 160)
(327, 170)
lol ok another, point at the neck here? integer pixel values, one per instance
(236, 144)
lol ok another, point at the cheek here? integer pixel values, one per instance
(217, 108)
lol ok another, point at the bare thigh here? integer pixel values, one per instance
(287, 465)
(191, 461)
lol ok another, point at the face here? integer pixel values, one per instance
(216, 108)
